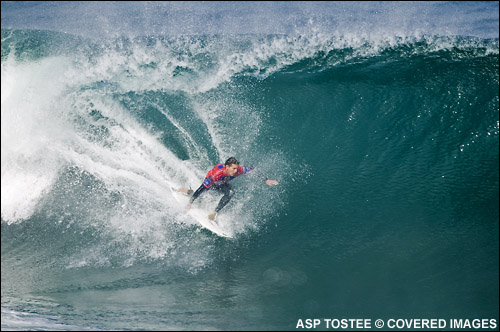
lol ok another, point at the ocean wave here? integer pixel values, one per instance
(94, 133)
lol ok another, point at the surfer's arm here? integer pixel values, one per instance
(263, 177)
(257, 173)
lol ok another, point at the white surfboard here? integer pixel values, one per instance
(200, 215)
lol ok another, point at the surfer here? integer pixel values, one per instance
(218, 179)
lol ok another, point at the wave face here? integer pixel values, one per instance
(386, 150)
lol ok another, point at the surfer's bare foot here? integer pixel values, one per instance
(212, 216)
(185, 191)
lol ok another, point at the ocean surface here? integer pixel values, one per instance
(384, 138)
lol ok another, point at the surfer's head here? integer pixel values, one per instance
(231, 166)
(231, 161)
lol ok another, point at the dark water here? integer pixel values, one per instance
(386, 150)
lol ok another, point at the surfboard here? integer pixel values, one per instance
(200, 215)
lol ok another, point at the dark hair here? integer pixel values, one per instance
(231, 161)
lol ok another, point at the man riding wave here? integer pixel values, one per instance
(218, 179)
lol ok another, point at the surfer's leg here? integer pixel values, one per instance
(228, 193)
(197, 193)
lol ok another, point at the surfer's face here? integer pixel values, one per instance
(231, 169)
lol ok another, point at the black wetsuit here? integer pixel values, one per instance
(225, 188)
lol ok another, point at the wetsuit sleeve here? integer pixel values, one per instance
(197, 193)
(245, 169)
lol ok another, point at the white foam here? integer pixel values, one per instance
(30, 129)
(51, 108)
(24, 321)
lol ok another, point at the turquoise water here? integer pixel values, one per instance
(386, 150)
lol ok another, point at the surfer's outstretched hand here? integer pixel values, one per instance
(271, 182)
